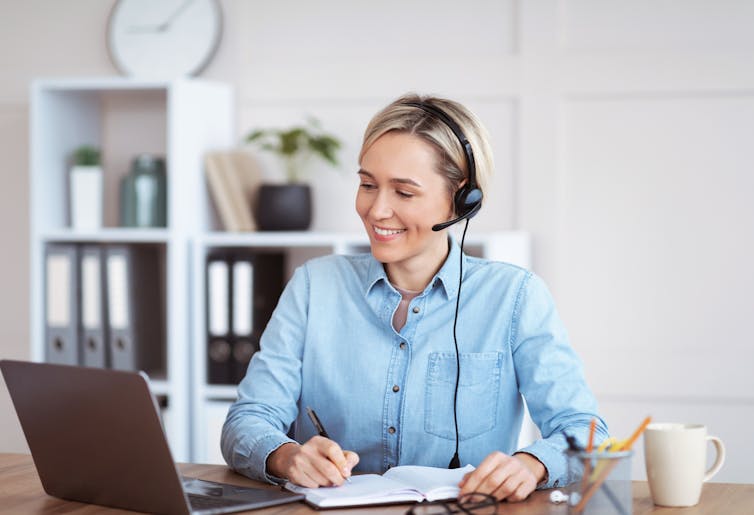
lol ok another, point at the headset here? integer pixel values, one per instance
(467, 201)
(468, 198)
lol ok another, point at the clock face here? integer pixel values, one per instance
(163, 39)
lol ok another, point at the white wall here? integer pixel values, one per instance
(621, 132)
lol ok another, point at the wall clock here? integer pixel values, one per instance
(163, 39)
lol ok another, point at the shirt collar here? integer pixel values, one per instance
(446, 277)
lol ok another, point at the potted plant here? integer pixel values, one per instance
(86, 189)
(287, 207)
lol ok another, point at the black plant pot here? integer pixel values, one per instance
(284, 207)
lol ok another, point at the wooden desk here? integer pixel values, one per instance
(21, 493)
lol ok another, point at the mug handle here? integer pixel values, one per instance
(719, 458)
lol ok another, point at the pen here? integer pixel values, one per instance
(319, 427)
(317, 424)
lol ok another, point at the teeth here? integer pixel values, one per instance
(387, 232)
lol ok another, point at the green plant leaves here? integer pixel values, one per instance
(86, 155)
(297, 144)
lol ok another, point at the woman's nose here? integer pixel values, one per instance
(381, 208)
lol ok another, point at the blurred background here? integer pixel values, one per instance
(622, 133)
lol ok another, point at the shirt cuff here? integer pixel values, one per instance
(554, 461)
(254, 465)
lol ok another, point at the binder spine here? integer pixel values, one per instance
(135, 308)
(257, 282)
(61, 304)
(243, 341)
(92, 313)
(218, 319)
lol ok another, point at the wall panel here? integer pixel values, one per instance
(609, 26)
(14, 267)
(659, 227)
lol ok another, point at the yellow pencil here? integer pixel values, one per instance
(639, 430)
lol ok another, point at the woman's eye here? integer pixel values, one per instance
(404, 194)
(366, 186)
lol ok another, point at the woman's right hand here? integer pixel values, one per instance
(318, 462)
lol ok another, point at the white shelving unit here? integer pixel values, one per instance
(211, 402)
(179, 120)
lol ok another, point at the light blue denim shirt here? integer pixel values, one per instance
(388, 395)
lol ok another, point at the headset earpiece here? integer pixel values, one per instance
(468, 200)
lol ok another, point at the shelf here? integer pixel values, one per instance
(283, 239)
(224, 392)
(71, 84)
(109, 235)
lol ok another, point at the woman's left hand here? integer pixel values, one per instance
(504, 477)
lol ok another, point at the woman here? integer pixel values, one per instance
(369, 341)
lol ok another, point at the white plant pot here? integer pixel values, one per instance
(85, 204)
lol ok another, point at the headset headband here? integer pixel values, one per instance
(453, 126)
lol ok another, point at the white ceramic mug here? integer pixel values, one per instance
(676, 459)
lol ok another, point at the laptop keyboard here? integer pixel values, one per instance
(203, 502)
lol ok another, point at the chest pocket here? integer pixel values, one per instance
(478, 393)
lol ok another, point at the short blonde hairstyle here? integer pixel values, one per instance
(451, 158)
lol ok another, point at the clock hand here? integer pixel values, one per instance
(160, 27)
(164, 25)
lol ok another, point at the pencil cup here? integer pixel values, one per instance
(601, 483)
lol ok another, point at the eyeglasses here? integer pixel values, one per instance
(472, 503)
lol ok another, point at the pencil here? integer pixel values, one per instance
(639, 430)
(590, 443)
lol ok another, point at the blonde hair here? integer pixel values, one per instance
(451, 158)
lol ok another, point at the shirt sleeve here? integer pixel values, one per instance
(551, 379)
(258, 421)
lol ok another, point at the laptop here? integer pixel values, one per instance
(95, 437)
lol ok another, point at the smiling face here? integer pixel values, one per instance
(400, 198)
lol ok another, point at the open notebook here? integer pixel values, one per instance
(407, 483)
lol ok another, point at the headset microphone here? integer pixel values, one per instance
(467, 202)
(474, 209)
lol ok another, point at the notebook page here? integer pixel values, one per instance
(433, 482)
(363, 489)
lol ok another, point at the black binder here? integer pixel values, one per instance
(257, 280)
(243, 288)
(217, 311)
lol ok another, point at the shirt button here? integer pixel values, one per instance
(396, 388)
(416, 309)
(402, 345)
(391, 430)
